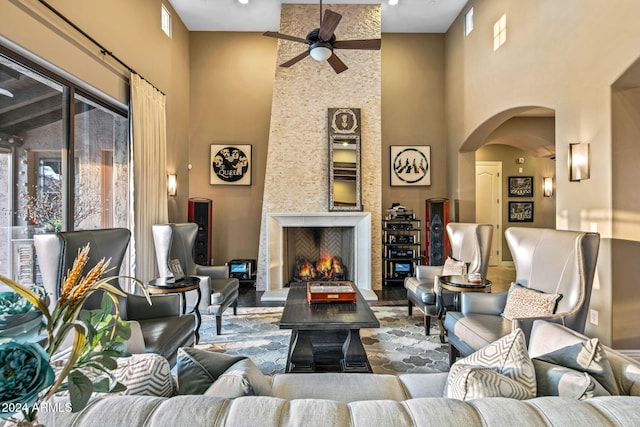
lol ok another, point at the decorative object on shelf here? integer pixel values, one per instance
(344, 159)
(520, 211)
(230, 164)
(32, 373)
(410, 165)
(520, 186)
(579, 168)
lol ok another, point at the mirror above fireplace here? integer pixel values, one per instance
(344, 159)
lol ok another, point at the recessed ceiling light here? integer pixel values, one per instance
(393, 2)
(243, 1)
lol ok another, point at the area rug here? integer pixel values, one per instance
(398, 346)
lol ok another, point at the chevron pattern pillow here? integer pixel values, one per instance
(514, 375)
(145, 374)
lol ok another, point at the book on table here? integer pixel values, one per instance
(331, 291)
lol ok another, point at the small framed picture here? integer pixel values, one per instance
(410, 165)
(176, 269)
(520, 186)
(230, 164)
(520, 211)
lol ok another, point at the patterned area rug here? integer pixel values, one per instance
(398, 346)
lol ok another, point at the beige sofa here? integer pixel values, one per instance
(335, 399)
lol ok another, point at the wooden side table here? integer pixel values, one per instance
(457, 284)
(166, 285)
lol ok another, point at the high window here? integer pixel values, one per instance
(64, 163)
(468, 22)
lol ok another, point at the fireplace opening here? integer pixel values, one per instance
(318, 253)
(328, 268)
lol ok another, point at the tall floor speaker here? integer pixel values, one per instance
(436, 239)
(200, 213)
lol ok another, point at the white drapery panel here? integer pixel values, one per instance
(149, 139)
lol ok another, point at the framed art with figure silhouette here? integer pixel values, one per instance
(230, 164)
(410, 165)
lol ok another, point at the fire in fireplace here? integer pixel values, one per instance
(327, 268)
(318, 254)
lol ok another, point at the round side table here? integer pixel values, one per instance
(457, 284)
(166, 285)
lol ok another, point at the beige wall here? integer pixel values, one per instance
(138, 42)
(562, 55)
(413, 93)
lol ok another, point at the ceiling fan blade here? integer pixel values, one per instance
(370, 44)
(337, 64)
(330, 21)
(283, 36)
(295, 59)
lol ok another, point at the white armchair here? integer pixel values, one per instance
(546, 260)
(470, 243)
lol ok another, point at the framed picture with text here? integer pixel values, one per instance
(520, 186)
(230, 164)
(520, 211)
(410, 165)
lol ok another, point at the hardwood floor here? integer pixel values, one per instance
(501, 277)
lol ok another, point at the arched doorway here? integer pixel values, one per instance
(522, 142)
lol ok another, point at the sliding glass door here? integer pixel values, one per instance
(64, 163)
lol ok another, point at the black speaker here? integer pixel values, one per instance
(200, 213)
(437, 218)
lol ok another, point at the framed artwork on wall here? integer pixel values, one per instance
(410, 165)
(520, 186)
(230, 164)
(520, 211)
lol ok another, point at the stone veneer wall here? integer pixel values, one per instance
(296, 177)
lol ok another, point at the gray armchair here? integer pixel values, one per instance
(163, 328)
(219, 291)
(551, 261)
(470, 243)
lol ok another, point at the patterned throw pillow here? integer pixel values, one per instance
(523, 302)
(508, 358)
(146, 374)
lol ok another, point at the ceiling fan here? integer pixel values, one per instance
(322, 41)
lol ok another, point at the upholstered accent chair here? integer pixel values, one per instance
(162, 327)
(219, 291)
(470, 243)
(551, 262)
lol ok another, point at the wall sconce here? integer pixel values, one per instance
(578, 162)
(547, 186)
(172, 184)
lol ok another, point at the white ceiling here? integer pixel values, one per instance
(408, 16)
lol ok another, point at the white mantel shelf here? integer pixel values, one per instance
(276, 222)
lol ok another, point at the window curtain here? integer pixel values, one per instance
(149, 140)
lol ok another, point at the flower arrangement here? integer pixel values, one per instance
(31, 373)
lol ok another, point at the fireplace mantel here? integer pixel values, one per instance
(276, 222)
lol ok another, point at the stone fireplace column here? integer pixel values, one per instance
(296, 176)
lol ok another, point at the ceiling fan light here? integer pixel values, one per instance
(321, 53)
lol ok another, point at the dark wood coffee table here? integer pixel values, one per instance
(325, 337)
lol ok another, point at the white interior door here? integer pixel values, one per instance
(489, 204)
